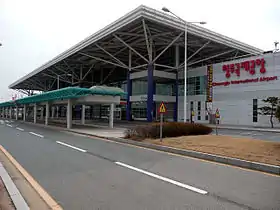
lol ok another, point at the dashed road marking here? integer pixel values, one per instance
(165, 179)
(73, 147)
(36, 134)
(9, 125)
(20, 129)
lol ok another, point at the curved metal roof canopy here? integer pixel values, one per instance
(66, 93)
(144, 30)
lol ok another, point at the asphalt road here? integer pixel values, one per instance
(86, 173)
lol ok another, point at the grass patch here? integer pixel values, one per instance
(243, 148)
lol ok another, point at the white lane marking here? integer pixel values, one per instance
(36, 134)
(9, 125)
(73, 147)
(179, 184)
(7, 121)
(12, 121)
(20, 129)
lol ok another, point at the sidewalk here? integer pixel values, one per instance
(246, 128)
(21, 191)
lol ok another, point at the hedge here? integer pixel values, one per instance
(169, 129)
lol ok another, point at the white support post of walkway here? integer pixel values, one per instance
(35, 113)
(16, 113)
(69, 114)
(53, 109)
(47, 113)
(10, 113)
(111, 119)
(83, 114)
(24, 112)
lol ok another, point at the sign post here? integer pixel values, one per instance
(217, 115)
(161, 110)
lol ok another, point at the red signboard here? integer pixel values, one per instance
(209, 85)
(249, 66)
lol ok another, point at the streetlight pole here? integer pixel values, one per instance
(185, 59)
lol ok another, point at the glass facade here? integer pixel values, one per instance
(165, 89)
(196, 86)
(139, 87)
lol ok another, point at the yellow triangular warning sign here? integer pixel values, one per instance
(162, 108)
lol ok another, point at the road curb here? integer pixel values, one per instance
(13, 191)
(43, 194)
(272, 169)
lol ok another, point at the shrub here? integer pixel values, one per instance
(169, 129)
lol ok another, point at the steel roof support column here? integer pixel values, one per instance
(150, 98)
(128, 89)
(35, 113)
(47, 113)
(69, 114)
(149, 47)
(177, 63)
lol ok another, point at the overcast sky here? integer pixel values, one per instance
(33, 32)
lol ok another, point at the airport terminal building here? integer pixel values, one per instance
(143, 53)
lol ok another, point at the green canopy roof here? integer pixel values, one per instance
(66, 93)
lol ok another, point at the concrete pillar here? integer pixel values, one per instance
(16, 113)
(53, 109)
(47, 114)
(10, 112)
(83, 115)
(35, 113)
(150, 95)
(24, 112)
(111, 117)
(69, 114)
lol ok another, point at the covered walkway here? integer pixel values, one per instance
(45, 106)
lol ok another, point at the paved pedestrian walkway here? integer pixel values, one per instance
(246, 128)
(102, 132)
